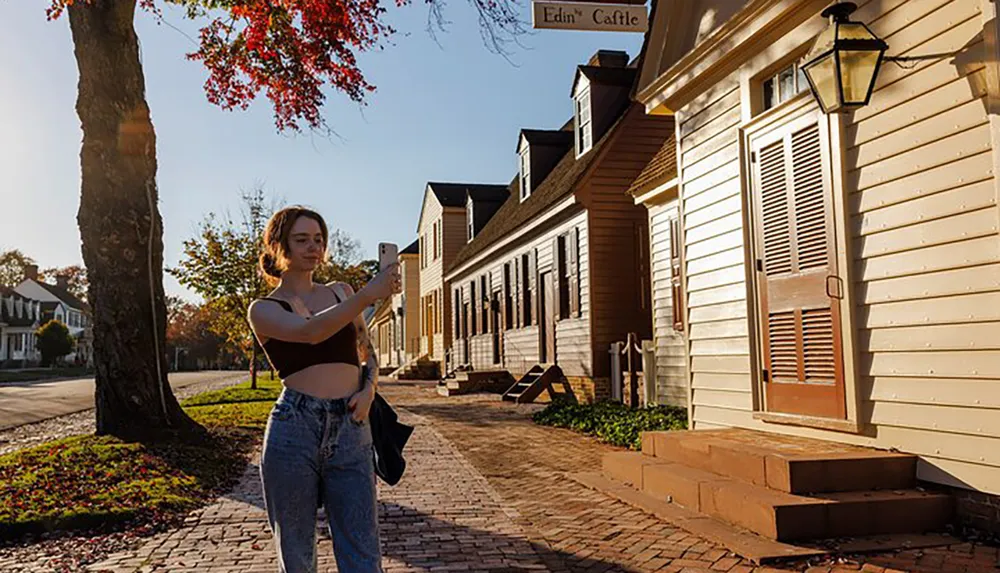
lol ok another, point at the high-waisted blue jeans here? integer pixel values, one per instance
(314, 452)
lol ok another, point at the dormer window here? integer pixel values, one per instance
(470, 220)
(584, 126)
(525, 174)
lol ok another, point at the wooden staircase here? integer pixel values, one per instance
(783, 488)
(469, 381)
(533, 383)
(422, 368)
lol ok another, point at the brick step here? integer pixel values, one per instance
(777, 514)
(481, 381)
(784, 463)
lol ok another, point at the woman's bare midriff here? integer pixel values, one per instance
(326, 381)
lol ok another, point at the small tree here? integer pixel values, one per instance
(12, 263)
(76, 279)
(221, 265)
(190, 330)
(357, 275)
(344, 262)
(53, 340)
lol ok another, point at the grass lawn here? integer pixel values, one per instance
(101, 483)
(612, 422)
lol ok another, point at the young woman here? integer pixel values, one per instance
(318, 444)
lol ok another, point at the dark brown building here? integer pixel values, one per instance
(560, 271)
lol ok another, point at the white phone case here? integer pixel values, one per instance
(387, 255)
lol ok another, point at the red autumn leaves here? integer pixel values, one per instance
(288, 49)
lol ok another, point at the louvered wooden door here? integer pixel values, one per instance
(798, 281)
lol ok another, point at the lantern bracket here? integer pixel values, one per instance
(841, 12)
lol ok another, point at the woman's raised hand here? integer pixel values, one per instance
(386, 283)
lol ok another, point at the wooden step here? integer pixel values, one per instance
(777, 514)
(788, 464)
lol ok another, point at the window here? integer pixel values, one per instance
(437, 311)
(527, 289)
(562, 274)
(440, 239)
(508, 299)
(525, 174)
(676, 294)
(434, 229)
(458, 315)
(783, 86)
(584, 126)
(423, 253)
(472, 308)
(566, 249)
(518, 289)
(483, 297)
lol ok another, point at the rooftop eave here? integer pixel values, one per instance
(522, 142)
(576, 80)
(656, 192)
(712, 58)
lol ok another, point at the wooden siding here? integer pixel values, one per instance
(397, 339)
(923, 221)
(671, 371)
(716, 310)
(411, 299)
(619, 237)
(453, 221)
(520, 350)
(481, 352)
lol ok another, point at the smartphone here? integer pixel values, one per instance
(388, 253)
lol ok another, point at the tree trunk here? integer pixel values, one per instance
(253, 365)
(117, 209)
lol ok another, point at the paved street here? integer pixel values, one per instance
(485, 490)
(28, 402)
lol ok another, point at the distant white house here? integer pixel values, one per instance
(20, 316)
(59, 304)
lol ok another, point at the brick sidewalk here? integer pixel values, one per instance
(589, 531)
(443, 516)
(486, 490)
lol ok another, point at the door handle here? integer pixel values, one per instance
(837, 284)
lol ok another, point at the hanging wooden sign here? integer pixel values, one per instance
(589, 16)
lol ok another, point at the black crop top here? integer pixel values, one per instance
(291, 357)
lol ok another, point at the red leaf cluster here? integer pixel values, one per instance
(289, 49)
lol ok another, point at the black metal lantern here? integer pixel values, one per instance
(843, 64)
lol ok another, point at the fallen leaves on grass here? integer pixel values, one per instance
(92, 482)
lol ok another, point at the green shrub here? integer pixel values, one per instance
(54, 341)
(612, 422)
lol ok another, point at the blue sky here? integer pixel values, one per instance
(445, 110)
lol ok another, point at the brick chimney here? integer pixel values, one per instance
(609, 59)
(31, 272)
(62, 281)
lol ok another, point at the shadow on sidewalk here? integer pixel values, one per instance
(487, 413)
(425, 541)
(422, 540)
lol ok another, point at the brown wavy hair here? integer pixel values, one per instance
(274, 258)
